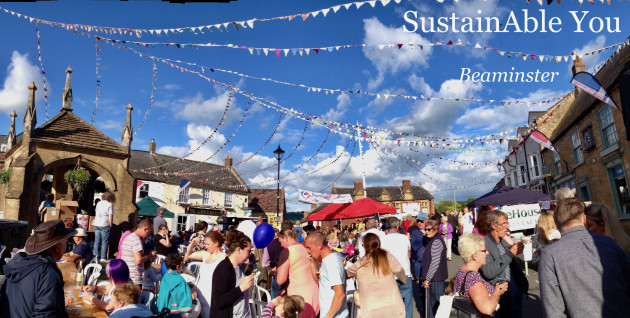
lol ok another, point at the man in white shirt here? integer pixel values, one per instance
(467, 222)
(371, 226)
(399, 246)
(332, 278)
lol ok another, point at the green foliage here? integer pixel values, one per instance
(444, 205)
(77, 179)
(5, 175)
(462, 205)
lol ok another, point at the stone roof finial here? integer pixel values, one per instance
(11, 135)
(127, 133)
(30, 116)
(66, 98)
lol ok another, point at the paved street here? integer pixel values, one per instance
(531, 305)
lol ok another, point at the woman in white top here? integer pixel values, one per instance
(210, 258)
(102, 224)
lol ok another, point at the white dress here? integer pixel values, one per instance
(204, 284)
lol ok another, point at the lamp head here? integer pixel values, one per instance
(278, 153)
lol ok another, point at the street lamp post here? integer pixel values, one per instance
(278, 153)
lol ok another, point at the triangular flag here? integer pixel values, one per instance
(325, 11)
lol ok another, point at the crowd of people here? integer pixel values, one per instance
(581, 253)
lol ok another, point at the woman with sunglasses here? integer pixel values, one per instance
(468, 281)
(434, 269)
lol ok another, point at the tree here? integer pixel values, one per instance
(462, 205)
(444, 205)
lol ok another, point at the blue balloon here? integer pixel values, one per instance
(263, 235)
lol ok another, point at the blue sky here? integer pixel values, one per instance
(187, 108)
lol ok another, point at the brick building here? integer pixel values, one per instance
(589, 135)
(264, 202)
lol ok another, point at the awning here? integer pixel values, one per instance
(509, 196)
(357, 209)
(148, 207)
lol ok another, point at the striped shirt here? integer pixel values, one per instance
(131, 245)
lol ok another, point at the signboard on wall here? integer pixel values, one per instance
(411, 208)
(522, 216)
(201, 211)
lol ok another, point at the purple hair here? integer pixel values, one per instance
(117, 271)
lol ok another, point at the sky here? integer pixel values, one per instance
(227, 99)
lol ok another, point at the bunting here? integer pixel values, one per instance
(39, 53)
(194, 29)
(153, 89)
(98, 81)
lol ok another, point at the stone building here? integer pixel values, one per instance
(592, 157)
(404, 198)
(43, 154)
(264, 202)
(215, 192)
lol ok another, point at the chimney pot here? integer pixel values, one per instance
(152, 147)
(228, 162)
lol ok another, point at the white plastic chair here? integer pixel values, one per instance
(256, 307)
(159, 259)
(193, 267)
(91, 274)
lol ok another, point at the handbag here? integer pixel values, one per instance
(464, 306)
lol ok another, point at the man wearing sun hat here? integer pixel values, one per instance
(34, 286)
(82, 252)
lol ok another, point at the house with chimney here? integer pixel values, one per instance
(593, 156)
(216, 193)
(405, 198)
(265, 203)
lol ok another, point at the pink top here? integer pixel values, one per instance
(295, 266)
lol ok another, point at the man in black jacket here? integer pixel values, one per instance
(34, 286)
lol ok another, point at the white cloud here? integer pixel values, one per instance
(20, 74)
(498, 118)
(391, 60)
(434, 117)
(110, 124)
(172, 87)
(337, 113)
(593, 60)
(198, 110)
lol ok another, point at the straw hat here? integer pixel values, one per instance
(47, 235)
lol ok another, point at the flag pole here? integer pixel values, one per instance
(362, 162)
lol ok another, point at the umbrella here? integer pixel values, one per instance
(148, 207)
(357, 209)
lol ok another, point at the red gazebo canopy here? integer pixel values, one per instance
(357, 209)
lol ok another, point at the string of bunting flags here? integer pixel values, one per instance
(378, 153)
(344, 168)
(97, 95)
(39, 53)
(227, 141)
(301, 51)
(549, 2)
(316, 119)
(210, 27)
(153, 89)
(299, 143)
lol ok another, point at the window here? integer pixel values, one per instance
(534, 167)
(144, 191)
(206, 197)
(607, 126)
(3, 148)
(184, 195)
(514, 179)
(576, 147)
(508, 181)
(181, 222)
(229, 200)
(522, 173)
(556, 162)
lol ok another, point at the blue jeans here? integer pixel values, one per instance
(436, 289)
(275, 288)
(101, 241)
(406, 291)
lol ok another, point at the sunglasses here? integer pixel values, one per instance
(429, 229)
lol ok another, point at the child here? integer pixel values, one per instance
(333, 242)
(148, 285)
(125, 301)
(174, 291)
(284, 306)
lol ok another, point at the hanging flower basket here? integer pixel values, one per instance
(78, 179)
(5, 175)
